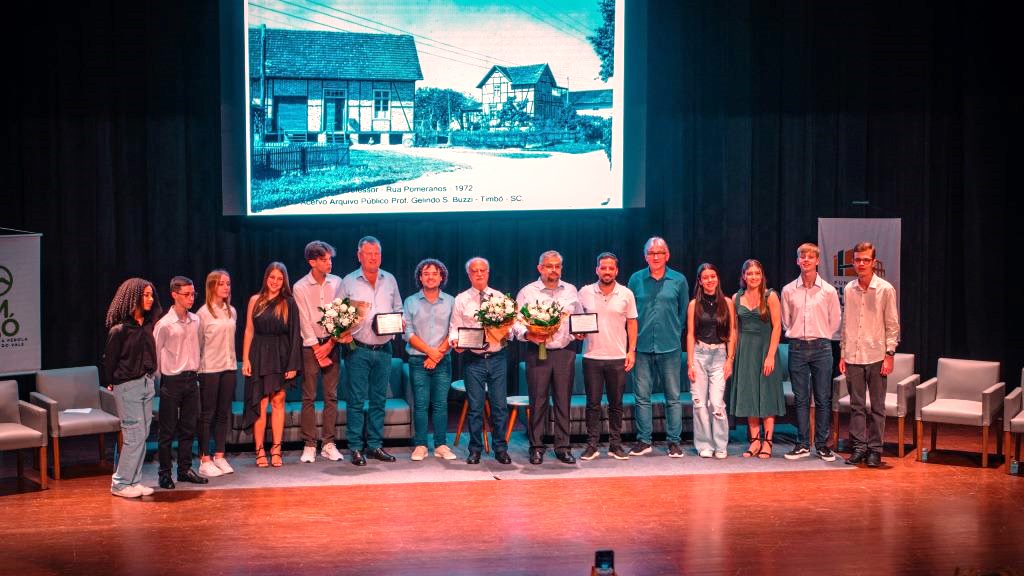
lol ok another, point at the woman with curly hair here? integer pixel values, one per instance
(129, 366)
(271, 356)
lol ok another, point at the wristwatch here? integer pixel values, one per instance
(890, 352)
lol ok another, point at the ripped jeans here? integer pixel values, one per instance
(710, 422)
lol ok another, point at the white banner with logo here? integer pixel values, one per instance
(838, 236)
(21, 346)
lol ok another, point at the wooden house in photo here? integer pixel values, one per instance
(311, 85)
(533, 87)
(592, 102)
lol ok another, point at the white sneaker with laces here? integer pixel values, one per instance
(706, 453)
(419, 453)
(721, 454)
(330, 451)
(308, 454)
(145, 490)
(223, 465)
(129, 492)
(445, 452)
(209, 469)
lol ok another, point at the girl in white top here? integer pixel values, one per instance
(217, 367)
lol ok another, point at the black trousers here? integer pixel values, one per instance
(551, 378)
(598, 376)
(216, 391)
(179, 409)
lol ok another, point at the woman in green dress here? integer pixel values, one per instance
(757, 374)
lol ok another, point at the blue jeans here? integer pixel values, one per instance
(710, 423)
(368, 374)
(667, 365)
(486, 376)
(430, 389)
(134, 401)
(810, 370)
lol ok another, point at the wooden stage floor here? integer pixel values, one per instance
(945, 517)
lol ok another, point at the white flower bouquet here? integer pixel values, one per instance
(542, 319)
(497, 313)
(341, 317)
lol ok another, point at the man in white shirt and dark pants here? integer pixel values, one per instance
(552, 377)
(177, 352)
(609, 353)
(319, 354)
(870, 335)
(811, 316)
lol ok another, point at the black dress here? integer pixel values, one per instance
(276, 348)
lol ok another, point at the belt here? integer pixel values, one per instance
(371, 346)
(488, 354)
(323, 340)
(186, 375)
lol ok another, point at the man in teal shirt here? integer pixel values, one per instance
(662, 295)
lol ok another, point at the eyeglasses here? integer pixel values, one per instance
(654, 253)
(862, 260)
(186, 294)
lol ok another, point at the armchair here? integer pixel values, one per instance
(79, 387)
(1013, 423)
(22, 425)
(900, 392)
(964, 392)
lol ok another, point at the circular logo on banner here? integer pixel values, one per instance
(6, 280)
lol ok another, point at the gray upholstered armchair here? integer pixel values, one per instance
(901, 387)
(1013, 422)
(964, 392)
(75, 388)
(22, 425)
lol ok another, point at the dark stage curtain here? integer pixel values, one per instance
(762, 117)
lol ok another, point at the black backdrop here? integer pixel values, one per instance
(762, 117)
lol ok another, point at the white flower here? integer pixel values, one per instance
(337, 302)
(331, 313)
(343, 307)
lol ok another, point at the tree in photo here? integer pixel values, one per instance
(441, 108)
(603, 39)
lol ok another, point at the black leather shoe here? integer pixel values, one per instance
(474, 457)
(874, 460)
(503, 457)
(380, 454)
(565, 456)
(536, 456)
(857, 457)
(165, 482)
(357, 458)
(191, 476)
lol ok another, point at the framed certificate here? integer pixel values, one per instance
(471, 339)
(388, 324)
(583, 323)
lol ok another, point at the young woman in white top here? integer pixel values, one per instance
(217, 367)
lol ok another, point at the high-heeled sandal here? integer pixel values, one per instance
(749, 452)
(261, 457)
(765, 454)
(275, 456)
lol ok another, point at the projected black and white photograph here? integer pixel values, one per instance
(359, 106)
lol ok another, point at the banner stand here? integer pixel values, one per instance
(21, 345)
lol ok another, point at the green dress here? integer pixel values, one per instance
(752, 393)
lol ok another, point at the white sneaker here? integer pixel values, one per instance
(721, 454)
(145, 490)
(308, 454)
(223, 465)
(706, 453)
(129, 492)
(209, 469)
(445, 452)
(330, 451)
(419, 453)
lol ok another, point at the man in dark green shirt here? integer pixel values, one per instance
(661, 298)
